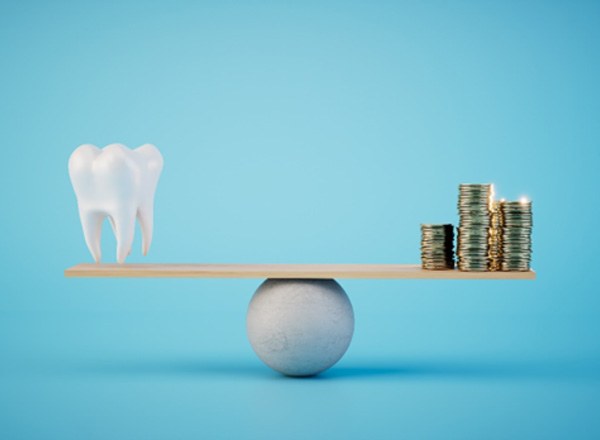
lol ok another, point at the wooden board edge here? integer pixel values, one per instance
(84, 271)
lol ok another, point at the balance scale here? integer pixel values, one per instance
(300, 321)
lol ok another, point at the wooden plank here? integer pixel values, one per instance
(306, 271)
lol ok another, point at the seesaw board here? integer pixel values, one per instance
(305, 271)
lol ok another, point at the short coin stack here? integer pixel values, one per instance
(516, 246)
(437, 247)
(474, 202)
(495, 237)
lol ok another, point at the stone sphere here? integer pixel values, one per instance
(300, 327)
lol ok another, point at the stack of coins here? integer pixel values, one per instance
(437, 247)
(516, 246)
(495, 237)
(474, 202)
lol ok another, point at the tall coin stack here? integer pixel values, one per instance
(495, 237)
(474, 202)
(516, 247)
(437, 247)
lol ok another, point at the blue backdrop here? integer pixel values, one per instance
(300, 132)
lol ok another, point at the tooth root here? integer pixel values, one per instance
(112, 225)
(124, 226)
(91, 222)
(145, 216)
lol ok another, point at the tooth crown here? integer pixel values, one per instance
(117, 183)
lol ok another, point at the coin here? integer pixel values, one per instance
(491, 235)
(495, 238)
(437, 246)
(474, 202)
(516, 235)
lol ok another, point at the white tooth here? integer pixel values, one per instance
(124, 221)
(145, 216)
(117, 183)
(91, 221)
(145, 213)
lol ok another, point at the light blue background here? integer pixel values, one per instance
(300, 132)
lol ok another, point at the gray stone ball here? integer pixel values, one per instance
(300, 327)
